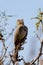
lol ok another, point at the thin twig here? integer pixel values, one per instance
(40, 53)
(38, 37)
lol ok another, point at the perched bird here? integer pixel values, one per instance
(20, 33)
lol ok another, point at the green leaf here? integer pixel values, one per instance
(37, 25)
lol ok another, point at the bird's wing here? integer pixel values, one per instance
(20, 35)
(22, 32)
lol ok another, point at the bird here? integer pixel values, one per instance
(20, 33)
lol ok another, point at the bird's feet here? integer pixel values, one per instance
(21, 48)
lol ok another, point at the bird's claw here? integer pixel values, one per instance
(21, 48)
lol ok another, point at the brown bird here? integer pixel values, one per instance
(20, 33)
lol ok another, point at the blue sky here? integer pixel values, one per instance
(23, 9)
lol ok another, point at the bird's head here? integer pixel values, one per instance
(20, 22)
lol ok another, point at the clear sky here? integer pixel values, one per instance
(23, 9)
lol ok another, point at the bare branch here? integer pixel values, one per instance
(38, 37)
